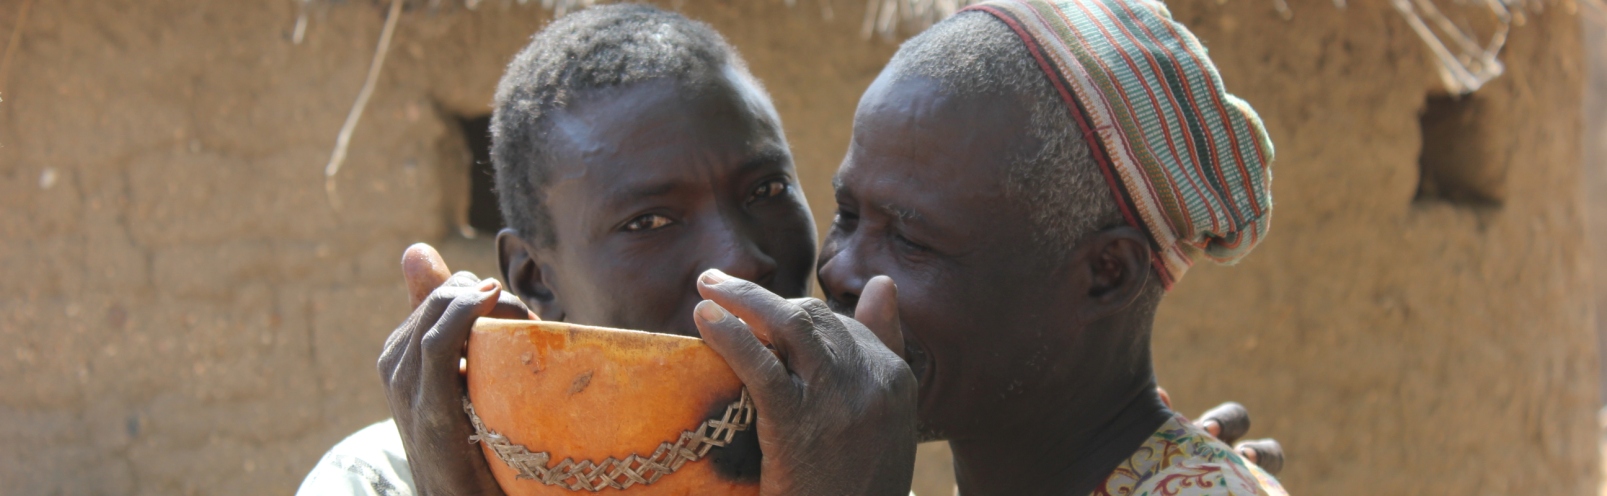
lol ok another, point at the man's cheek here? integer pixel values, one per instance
(934, 321)
(663, 312)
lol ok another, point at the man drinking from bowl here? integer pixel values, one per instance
(634, 151)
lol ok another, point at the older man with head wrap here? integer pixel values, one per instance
(1033, 175)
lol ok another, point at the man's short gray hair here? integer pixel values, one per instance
(974, 53)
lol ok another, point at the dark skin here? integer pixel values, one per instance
(994, 323)
(720, 193)
(1033, 363)
(654, 183)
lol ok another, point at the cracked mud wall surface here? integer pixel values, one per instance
(183, 313)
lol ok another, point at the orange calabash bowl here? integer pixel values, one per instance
(566, 409)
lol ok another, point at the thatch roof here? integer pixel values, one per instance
(1465, 36)
(1465, 55)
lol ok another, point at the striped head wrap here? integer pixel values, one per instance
(1189, 163)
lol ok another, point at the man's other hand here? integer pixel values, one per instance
(420, 370)
(836, 406)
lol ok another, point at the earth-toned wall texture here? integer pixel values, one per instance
(1400, 337)
(183, 312)
(1595, 190)
(1595, 173)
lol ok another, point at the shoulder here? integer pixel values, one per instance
(1182, 460)
(1211, 479)
(370, 462)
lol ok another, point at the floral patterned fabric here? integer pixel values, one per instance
(1181, 459)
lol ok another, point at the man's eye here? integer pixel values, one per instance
(768, 189)
(845, 219)
(908, 244)
(647, 222)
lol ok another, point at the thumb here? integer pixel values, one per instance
(424, 270)
(878, 310)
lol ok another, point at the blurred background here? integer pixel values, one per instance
(183, 310)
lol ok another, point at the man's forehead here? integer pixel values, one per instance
(723, 90)
(643, 113)
(924, 117)
(628, 130)
(928, 157)
(914, 194)
(913, 127)
(647, 178)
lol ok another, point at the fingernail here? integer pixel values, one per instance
(487, 285)
(1212, 427)
(714, 276)
(1248, 454)
(711, 312)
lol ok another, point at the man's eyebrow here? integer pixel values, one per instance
(651, 189)
(902, 214)
(648, 189)
(765, 156)
(633, 192)
(840, 189)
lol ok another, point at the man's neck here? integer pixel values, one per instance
(1066, 445)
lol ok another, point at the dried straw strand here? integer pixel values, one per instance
(344, 139)
(1465, 69)
(11, 46)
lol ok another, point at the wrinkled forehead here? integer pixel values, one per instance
(919, 123)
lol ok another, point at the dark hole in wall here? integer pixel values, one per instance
(1458, 163)
(484, 215)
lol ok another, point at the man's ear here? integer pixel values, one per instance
(522, 268)
(1115, 264)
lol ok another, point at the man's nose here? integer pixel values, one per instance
(842, 276)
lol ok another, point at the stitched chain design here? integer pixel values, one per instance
(618, 474)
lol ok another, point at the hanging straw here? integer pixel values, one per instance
(344, 139)
(1464, 66)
